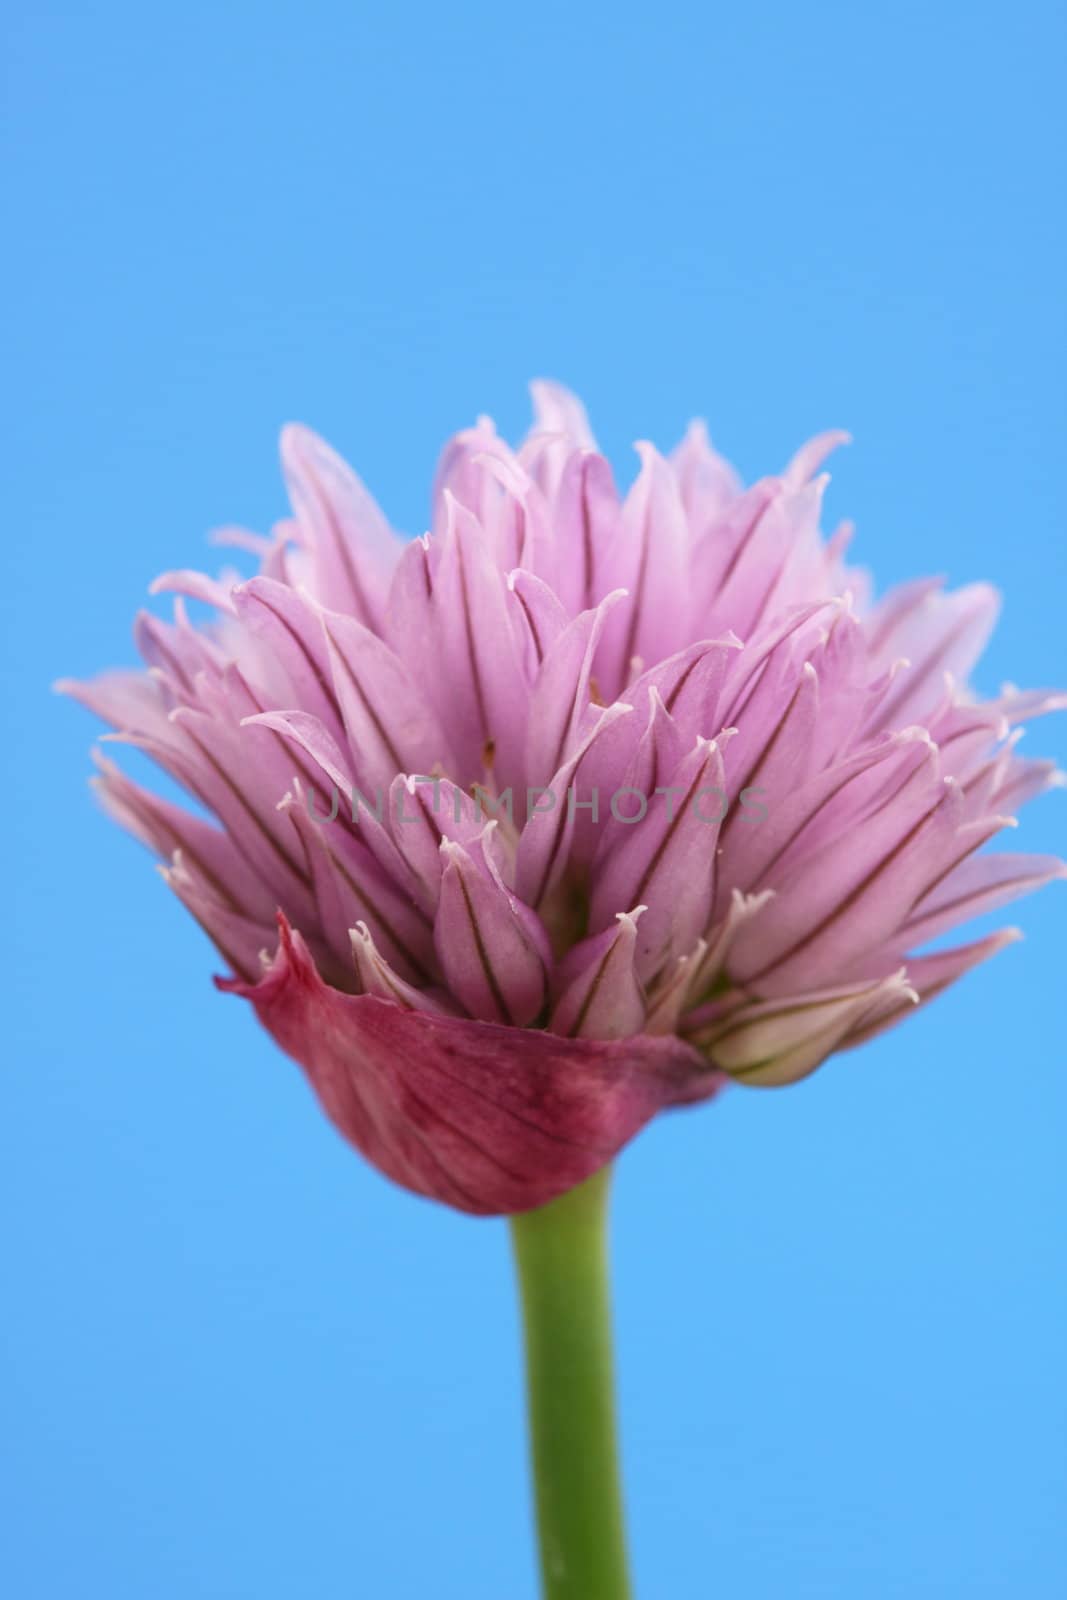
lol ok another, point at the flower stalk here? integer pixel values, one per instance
(562, 1261)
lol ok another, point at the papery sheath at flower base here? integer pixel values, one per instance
(574, 809)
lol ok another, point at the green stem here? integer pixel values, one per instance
(561, 1253)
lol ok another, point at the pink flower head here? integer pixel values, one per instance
(576, 807)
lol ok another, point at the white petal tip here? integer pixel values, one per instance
(631, 918)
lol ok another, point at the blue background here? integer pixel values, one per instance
(237, 1364)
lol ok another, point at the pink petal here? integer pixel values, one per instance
(289, 628)
(980, 884)
(376, 977)
(390, 727)
(539, 615)
(938, 634)
(649, 560)
(197, 586)
(549, 830)
(557, 410)
(559, 706)
(810, 457)
(239, 940)
(843, 900)
(585, 519)
(491, 949)
(668, 863)
(475, 675)
(780, 1041)
(600, 993)
(353, 548)
(168, 829)
(929, 976)
(707, 482)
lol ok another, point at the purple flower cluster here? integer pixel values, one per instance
(491, 999)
